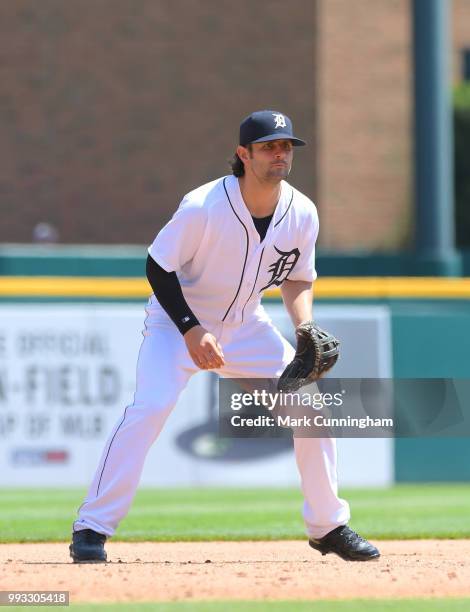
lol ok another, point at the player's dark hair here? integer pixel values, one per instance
(238, 167)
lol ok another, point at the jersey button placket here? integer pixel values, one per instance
(248, 285)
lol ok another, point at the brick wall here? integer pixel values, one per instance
(113, 109)
(364, 101)
(460, 34)
(365, 167)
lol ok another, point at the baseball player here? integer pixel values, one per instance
(228, 241)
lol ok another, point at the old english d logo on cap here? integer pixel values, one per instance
(266, 125)
(279, 120)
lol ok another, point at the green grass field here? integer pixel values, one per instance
(404, 511)
(352, 605)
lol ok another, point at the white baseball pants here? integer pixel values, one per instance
(254, 350)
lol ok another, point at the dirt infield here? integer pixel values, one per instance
(239, 570)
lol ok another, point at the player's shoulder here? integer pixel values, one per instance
(204, 195)
(301, 204)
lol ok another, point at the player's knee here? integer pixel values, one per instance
(146, 419)
(153, 409)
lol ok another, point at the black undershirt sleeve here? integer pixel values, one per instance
(167, 290)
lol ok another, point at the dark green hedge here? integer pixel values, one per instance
(462, 163)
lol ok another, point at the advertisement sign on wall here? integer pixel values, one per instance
(68, 371)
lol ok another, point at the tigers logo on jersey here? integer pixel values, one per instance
(282, 267)
(280, 120)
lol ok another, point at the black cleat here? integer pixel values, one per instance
(347, 544)
(88, 547)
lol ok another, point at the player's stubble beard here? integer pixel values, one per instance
(276, 174)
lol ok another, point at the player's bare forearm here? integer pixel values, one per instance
(297, 296)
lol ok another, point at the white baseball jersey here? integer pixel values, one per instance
(212, 244)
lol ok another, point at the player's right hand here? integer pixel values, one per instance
(204, 349)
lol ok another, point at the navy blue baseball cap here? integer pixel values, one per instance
(267, 125)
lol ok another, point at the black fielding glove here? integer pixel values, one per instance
(317, 352)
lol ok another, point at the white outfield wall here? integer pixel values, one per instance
(67, 371)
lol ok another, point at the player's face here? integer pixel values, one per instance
(270, 161)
